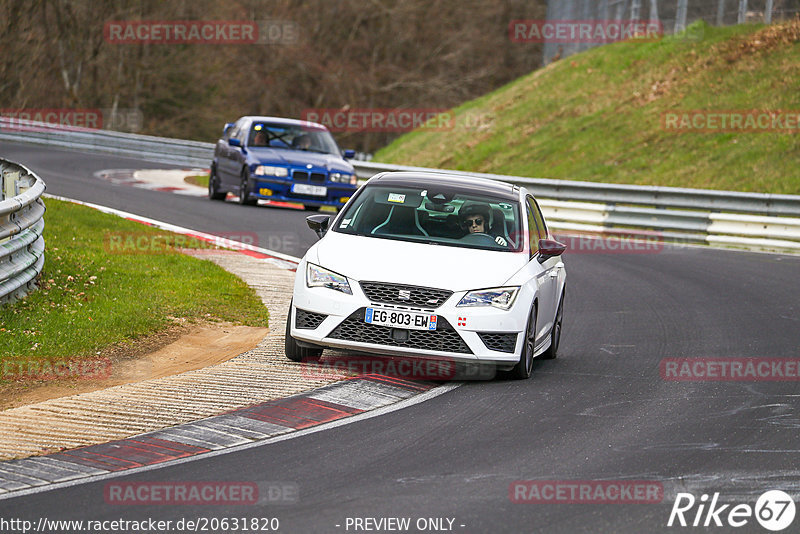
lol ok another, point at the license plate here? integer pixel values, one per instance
(305, 189)
(400, 319)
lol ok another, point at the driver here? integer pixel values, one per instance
(260, 139)
(475, 219)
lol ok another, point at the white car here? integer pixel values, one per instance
(405, 269)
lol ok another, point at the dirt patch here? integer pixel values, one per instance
(786, 34)
(177, 350)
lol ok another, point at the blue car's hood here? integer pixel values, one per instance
(298, 158)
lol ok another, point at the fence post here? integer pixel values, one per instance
(680, 17)
(768, 12)
(636, 9)
(721, 13)
(654, 10)
(742, 11)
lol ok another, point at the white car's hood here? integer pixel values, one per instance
(401, 262)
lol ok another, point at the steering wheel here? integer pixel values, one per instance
(479, 238)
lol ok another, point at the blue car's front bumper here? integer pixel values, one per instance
(270, 188)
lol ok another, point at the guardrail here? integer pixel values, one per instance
(160, 149)
(754, 220)
(21, 227)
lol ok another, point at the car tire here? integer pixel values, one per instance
(310, 208)
(213, 186)
(524, 367)
(555, 336)
(295, 352)
(244, 196)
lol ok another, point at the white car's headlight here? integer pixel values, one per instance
(269, 170)
(499, 297)
(316, 276)
(343, 178)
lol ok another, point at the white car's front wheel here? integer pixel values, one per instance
(295, 352)
(524, 366)
(555, 335)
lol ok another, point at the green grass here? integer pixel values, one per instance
(200, 179)
(597, 116)
(93, 296)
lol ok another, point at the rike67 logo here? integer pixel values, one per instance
(774, 510)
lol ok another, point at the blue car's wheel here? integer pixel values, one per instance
(213, 186)
(244, 193)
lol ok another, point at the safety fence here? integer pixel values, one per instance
(21, 227)
(671, 17)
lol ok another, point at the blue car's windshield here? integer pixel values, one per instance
(437, 215)
(291, 136)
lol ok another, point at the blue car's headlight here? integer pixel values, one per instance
(269, 170)
(316, 276)
(500, 297)
(343, 178)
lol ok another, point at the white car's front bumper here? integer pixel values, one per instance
(465, 333)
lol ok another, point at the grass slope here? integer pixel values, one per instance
(597, 116)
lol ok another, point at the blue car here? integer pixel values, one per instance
(279, 159)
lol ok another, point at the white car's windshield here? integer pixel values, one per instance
(436, 215)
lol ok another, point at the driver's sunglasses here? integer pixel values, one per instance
(476, 222)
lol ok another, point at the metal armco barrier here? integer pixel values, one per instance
(161, 149)
(21, 227)
(721, 218)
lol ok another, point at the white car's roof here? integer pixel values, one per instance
(425, 179)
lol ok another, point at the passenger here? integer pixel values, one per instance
(475, 219)
(302, 142)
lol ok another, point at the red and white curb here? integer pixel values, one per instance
(169, 181)
(333, 405)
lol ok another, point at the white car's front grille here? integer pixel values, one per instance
(500, 342)
(308, 320)
(405, 295)
(444, 338)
